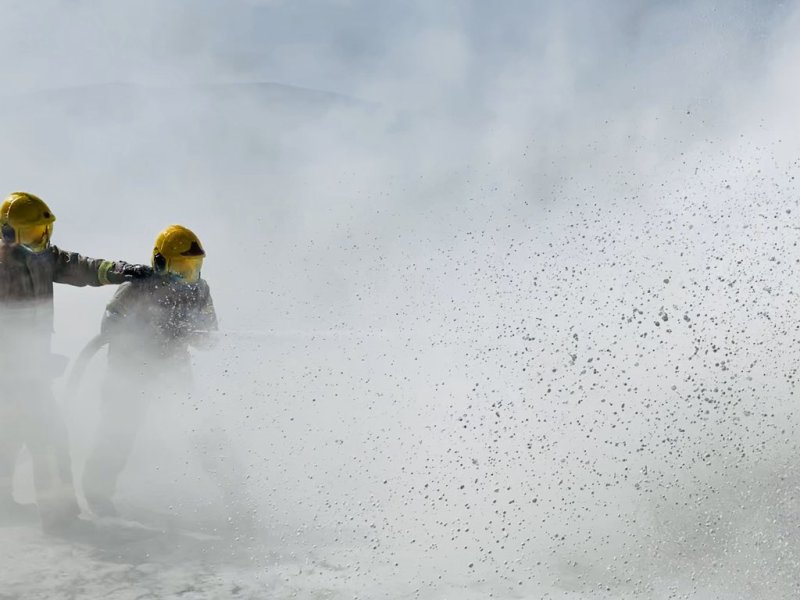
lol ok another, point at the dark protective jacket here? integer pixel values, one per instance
(26, 277)
(157, 318)
(26, 292)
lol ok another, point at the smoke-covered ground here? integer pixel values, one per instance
(507, 309)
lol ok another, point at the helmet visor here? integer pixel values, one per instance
(186, 268)
(35, 238)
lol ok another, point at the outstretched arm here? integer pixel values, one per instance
(73, 269)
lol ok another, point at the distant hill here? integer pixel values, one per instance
(120, 100)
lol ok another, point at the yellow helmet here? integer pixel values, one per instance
(25, 219)
(178, 251)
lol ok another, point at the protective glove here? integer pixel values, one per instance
(131, 272)
(123, 272)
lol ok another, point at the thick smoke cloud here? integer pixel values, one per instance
(507, 289)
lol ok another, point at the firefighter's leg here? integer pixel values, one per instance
(121, 417)
(11, 441)
(10, 445)
(48, 443)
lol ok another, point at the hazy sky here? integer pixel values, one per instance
(347, 46)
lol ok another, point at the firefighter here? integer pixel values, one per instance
(29, 416)
(149, 326)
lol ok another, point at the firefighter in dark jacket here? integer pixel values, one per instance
(148, 325)
(29, 266)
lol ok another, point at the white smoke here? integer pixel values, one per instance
(508, 289)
